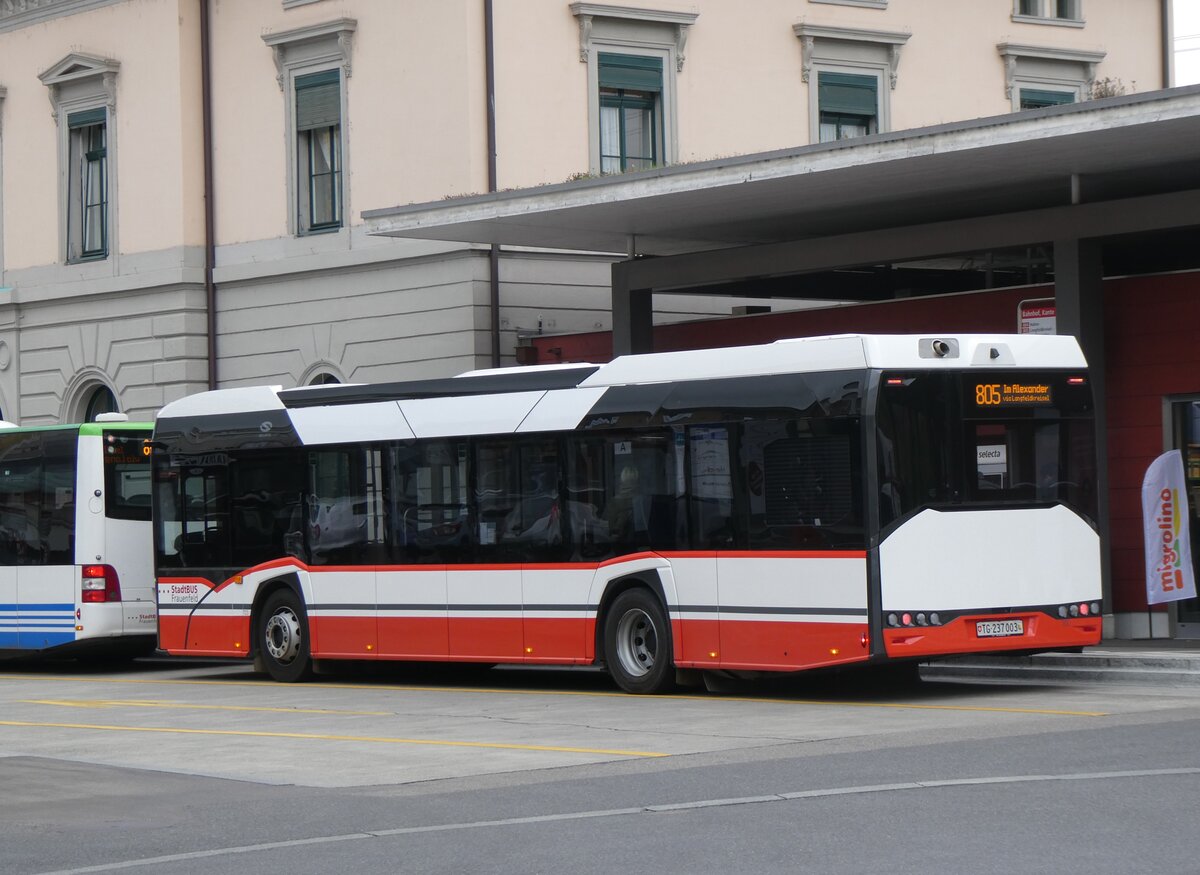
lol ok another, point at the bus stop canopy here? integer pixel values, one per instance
(1136, 151)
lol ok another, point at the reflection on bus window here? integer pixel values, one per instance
(428, 501)
(192, 528)
(346, 521)
(803, 487)
(37, 501)
(126, 477)
(519, 499)
(1011, 447)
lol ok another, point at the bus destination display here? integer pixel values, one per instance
(1001, 394)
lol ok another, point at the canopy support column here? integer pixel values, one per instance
(1079, 311)
(632, 314)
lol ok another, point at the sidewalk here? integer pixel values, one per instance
(1155, 661)
(1148, 644)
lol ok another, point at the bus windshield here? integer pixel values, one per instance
(979, 439)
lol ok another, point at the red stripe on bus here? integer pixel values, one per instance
(961, 636)
(732, 644)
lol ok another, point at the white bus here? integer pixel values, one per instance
(806, 503)
(76, 556)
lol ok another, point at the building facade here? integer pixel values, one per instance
(183, 182)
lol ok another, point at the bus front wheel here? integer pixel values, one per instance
(283, 638)
(637, 643)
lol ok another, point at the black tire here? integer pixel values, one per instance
(637, 643)
(283, 638)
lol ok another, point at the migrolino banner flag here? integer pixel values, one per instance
(1169, 574)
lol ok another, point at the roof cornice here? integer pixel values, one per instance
(15, 14)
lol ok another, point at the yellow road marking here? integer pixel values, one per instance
(119, 703)
(825, 703)
(245, 733)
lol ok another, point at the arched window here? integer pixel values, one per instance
(102, 400)
(323, 379)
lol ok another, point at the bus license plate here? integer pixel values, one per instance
(999, 628)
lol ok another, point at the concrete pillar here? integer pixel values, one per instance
(632, 314)
(1079, 311)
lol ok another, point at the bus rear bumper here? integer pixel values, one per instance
(980, 633)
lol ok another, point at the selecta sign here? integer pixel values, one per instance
(1169, 574)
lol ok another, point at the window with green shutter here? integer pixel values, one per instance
(848, 105)
(319, 146)
(630, 111)
(1033, 98)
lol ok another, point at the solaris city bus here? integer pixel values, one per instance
(76, 556)
(805, 503)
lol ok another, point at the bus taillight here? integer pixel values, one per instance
(100, 584)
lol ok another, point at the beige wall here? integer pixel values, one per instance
(414, 108)
(415, 118)
(415, 113)
(157, 172)
(741, 91)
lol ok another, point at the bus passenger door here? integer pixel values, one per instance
(703, 578)
(429, 529)
(347, 540)
(539, 527)
(486, 602)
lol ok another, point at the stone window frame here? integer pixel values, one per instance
(79, 83)
(1076, 20)
(644, 32)
(880, 75)
(81, 391)
(299, 52)
(849, 50)
(867, 4)
(1047, 68)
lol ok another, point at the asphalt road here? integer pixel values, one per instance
(184, 767)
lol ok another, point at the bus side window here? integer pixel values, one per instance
(518, 495)
(712, 487)
(346, 522)
(427, 502)
(203, 539)
(22, 511)
(58, 499)
(587, 519)
(644, 492)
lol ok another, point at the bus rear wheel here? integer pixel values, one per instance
(283, 638)
(637, 643)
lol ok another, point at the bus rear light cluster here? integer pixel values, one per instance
(910, 619)
(100, 584)
(1082, 609)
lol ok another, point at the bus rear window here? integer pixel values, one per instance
(985, 438)
(127, 475)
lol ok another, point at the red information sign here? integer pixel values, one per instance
(1036, 316)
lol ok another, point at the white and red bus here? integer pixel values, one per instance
(806, 503)
(76, 564)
